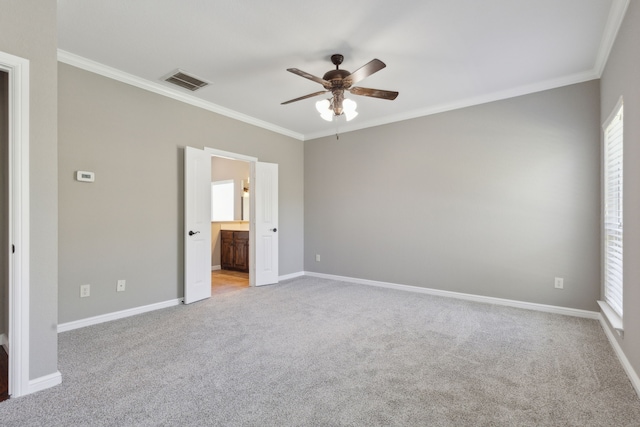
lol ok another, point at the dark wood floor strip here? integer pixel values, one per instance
(4, 375)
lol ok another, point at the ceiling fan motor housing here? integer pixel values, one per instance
(335, 77)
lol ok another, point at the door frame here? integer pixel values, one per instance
(18, 328)
(252, 202)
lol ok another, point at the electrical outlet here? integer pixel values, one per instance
(85, 291)
(121, 285)
(317, 257)
(559, 283)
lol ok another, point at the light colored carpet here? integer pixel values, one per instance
(312, 352)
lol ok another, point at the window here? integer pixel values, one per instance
(222, 201)
(612, 194)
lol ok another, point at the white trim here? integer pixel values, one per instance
(76, 324)
(216, 267)
(614, 22)
(252, 200)
(612, 317)
(159, 88)
(469, 297)
(54, 379)
(463, 103)
(229, 155)
(617, 13)
(45, 382)
(626, 365)
(612, 26)
(291, 276)
(18, 69)
(613, 113)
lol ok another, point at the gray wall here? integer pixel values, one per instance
(4, 202)
(129, 223)
(622, 78)
(494, 200)
(28, 29)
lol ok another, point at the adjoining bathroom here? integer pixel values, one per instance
(230, 187)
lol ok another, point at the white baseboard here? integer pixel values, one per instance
(45, 382)
(63, 327)
(56, 378)
(216, 267)
(291, 276)
(76, 324)
(631, 373)
(4, 342)
(469, 297)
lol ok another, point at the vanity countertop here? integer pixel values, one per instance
(235, 226)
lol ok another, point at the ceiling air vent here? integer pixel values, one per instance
(184, 80)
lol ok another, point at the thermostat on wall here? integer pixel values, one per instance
(85, 176)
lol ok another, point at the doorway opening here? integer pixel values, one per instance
(230, 224)
(263, 217)
(4, 235)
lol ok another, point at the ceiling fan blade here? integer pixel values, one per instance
(306, 75)
(366, 70)
(375, 93)
(305, 97)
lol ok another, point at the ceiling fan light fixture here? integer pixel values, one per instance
(349, 109)
(324, 108)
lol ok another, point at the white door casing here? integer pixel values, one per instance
(19, 284)
(265, 222)
(197, 225)
(263, 259)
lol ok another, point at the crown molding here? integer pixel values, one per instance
(463, 103)
(115, 74)
(614, 22)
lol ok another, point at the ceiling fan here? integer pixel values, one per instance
(337, 81)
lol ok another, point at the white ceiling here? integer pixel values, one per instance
(440, 54)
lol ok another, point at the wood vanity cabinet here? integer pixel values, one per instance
(235, 250)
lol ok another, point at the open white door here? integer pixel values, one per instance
(197, 225)
(266, 223)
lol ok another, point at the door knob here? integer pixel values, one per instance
(273, 229)
(191, 233)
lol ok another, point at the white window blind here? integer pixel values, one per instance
(613, 209)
